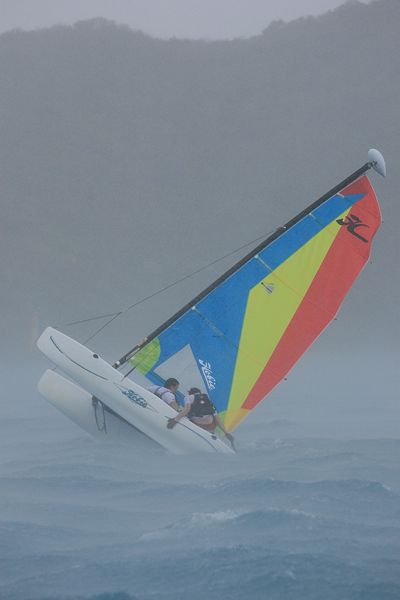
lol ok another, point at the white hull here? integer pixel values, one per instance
(76, 404)
(132, 403)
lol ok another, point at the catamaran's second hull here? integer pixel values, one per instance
(128, 408)
(78, 405)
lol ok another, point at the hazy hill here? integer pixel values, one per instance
(127, 162)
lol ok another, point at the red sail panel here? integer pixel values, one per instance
(342, 264)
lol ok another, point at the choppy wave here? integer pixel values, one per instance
(285, 519)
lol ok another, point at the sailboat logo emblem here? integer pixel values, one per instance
(352, 222)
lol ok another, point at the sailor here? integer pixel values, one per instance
(201, 411)
(167, 392)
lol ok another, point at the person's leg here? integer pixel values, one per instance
(206, 422)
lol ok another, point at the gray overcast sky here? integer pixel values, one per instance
(210, 19)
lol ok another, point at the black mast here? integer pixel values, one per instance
(248, 256)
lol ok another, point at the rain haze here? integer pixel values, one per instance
(145, 148)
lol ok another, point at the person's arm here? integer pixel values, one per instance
(174, 405)
(173, 421)
(171, 400)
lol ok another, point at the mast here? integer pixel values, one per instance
(376, 161)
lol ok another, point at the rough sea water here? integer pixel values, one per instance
(309, 508)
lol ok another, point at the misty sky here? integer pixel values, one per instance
(210, 19)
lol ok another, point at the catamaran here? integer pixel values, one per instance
(237, 339)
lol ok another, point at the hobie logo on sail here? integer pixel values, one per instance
(207, 372)
(352, 222)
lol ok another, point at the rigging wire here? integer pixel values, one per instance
(103, 327)
(91, 319)
(159, 291)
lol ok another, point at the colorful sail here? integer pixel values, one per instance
(243, 336)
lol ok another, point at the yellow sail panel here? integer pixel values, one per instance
(270, 308)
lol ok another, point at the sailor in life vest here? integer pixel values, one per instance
(167, 392)
(201, 411)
